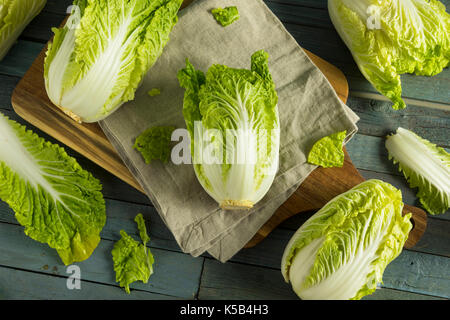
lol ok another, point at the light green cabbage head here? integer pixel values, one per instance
(15, 15)
(232, 117)
(99, 58)
(341, 252)
(391, 37)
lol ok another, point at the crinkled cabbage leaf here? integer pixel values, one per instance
(56, 201)
(226, 16)
(133, 261)
(154, 144)
(328, 152)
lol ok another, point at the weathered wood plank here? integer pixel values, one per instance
(19, 285)
(20, 58)
(419, 273)
(412, 272)
(379, 119)
(236, 281)
(390, 294)
(120, 216)
(175, 274)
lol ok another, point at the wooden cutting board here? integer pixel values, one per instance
(30, 101)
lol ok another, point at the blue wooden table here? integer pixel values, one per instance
(30, 270)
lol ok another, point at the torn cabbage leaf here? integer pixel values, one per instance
(328, 152)
(99, 58)
(133, 261)
(154, 144)
(341, 252)
(15, 15)
(425, 166)
(226, 16)
(232, 118)
(56, 201)
(388, 38)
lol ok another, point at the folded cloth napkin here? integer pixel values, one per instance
(308, 106)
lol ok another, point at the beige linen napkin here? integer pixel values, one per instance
(308, 106)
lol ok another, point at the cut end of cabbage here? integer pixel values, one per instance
(236, 205)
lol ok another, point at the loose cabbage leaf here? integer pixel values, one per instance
(328, 152)
(133, 261)
(236, 111)
(56, 201)
(15, 15)
(226, 16)
(99, 58)
(154, 144)
(391, 37)
(342, 251)
(425, 166)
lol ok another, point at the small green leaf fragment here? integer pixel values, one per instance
(328, 152)
(226, 16)
(154, 144)
(154, 92)
(132, 260)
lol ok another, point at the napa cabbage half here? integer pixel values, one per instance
(391, 37)
(232, 118)
(99, 58)
(15, 15)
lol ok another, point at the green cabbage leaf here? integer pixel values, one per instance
(226, 16)
(15, 15)
(154, 144)
(232, 118)
(98, 59)
(388, 38)
(56, 201)
(328, 152)
(341, 252)
(425, 166)
(133, 261)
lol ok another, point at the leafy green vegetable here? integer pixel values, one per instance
(232, 119)
(226, 16)
(328, 152)
(342, 251)
(15, 15)
(425, 166)
(154, 92)
(391, 37)
(133, 261)
(56, 201)
(154, 144)
(96, 63)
